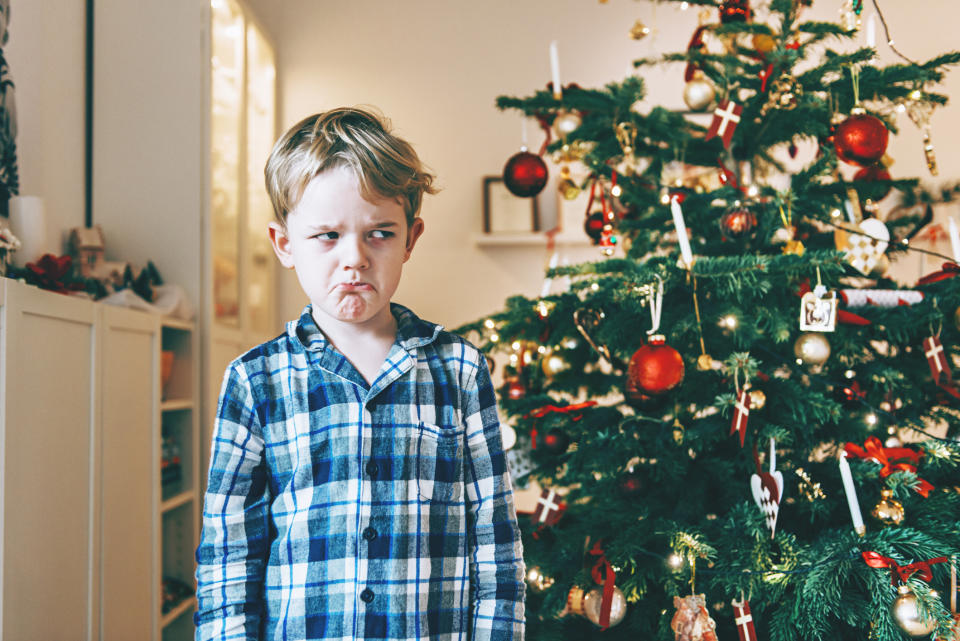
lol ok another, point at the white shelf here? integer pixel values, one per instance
(176, 404)
(176, 323)
(531, 239)
(182, 607)
(176, 501)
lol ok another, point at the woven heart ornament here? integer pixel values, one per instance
(863, 249)
(768, 488)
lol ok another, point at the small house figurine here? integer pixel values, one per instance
(86, 247)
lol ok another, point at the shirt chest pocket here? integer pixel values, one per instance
(439, 464)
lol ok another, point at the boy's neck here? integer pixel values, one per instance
(374, 333)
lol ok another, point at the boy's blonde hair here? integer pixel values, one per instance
(386, 166)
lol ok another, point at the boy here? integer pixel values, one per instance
(358, 488)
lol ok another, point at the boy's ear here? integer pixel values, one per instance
(281, 244)
(415, 231)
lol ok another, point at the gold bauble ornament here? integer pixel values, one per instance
(593, 600)
(906, 613)
(764, 42)
(537, 580)
(888, 510)
(552, 364)
(639, 31)
(699, 94)
(567, 187)
(566, 122)
(812, 348)
(757, 399)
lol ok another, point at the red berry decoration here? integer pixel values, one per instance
(556, 442)
(872, 174)
(525, 174)
(593, 226)
(734, 11)
(738, 223)
(655, 368)
(630, 484)
(861, 139)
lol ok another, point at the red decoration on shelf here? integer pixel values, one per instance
(861, 139)
(549, 508)
(525, 174)
(734, 11)
(726, 117)
(741, 412)
(49, 272)
(743, 619)
(893, 459)
(903, 572)
(654, 369)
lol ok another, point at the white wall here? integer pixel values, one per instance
(435, 68)
(46, 56)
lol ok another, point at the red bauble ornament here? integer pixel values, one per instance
(525, 174)
(861, 139)
(516, 390)
(734, 11)
(556, 442)
(738, 223)
(630, 484)
(871, 174)
(593, 226)
(655, 368)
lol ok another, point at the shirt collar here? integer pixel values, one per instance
(412, 331)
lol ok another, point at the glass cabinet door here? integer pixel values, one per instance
(261, 116)
(243, 70)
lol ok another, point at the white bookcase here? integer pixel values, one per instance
(87, 522)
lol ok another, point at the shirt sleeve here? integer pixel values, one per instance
(235, 539)
(497, 588)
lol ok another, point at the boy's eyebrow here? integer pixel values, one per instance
(378, 225)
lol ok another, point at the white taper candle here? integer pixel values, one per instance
(851, 491)
(555, 70)
(954, 239)
(681, 232)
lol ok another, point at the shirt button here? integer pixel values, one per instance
(367, 595)
(369, 533)
(373, 469)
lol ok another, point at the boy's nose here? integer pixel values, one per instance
(355, 254)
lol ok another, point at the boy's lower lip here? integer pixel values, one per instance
(355, 286)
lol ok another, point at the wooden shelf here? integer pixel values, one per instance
(176, 404)
(176, 323)
(182, 607)
(176, 501)
(531, 239)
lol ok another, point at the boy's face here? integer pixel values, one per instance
(348, 253)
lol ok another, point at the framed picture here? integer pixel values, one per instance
(505, 213)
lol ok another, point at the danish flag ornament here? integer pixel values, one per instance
(936, 359)
(744, 620)
(726, 117)
(549, 508)
(768, 488)
(741, 412)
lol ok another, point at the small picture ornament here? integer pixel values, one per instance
(818, 313)
(692, 621)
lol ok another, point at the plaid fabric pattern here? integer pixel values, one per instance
(341, 510)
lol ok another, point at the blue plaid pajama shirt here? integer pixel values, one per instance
(336, 509)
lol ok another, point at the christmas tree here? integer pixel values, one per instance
(741, 424)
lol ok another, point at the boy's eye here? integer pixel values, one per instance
(382, 233)
(327, 235)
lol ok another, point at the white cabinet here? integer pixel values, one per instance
(88, 523)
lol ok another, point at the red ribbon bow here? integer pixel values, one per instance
(949, 270)
(604, 575)
(554, 409)
(891, 458)
(876, 560)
